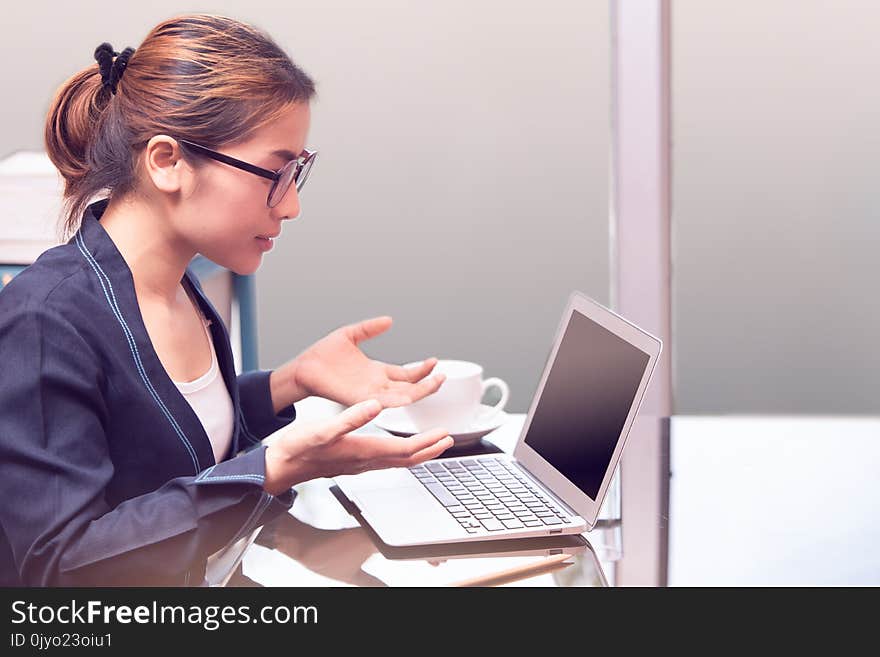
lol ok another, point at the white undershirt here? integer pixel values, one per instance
(209, 398)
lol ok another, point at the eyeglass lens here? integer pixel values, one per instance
(292, 171)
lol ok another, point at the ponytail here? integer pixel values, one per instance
(73, 117)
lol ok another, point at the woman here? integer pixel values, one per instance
(130, 450)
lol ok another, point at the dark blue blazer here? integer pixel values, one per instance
(107, 476)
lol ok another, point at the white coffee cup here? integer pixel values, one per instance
(457, 402)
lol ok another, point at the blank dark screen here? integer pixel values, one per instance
(588, 394)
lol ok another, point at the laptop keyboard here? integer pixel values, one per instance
(488, 493)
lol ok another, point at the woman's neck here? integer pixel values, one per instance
(155, 254)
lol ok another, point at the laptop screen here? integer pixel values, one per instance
(585, 402)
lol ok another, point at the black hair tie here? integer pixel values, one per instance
(111, 71)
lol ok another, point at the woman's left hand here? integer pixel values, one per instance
(335, 368)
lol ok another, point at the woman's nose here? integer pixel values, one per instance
(289, 207)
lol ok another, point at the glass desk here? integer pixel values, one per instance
(746, 501)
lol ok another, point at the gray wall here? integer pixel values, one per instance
(776, 154)
(462, 186)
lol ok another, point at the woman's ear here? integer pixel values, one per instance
(164, 164)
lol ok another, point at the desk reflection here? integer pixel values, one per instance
(337, 554)
(290, 551)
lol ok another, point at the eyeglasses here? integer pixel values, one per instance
(296, 170)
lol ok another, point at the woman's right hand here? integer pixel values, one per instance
(326, 448)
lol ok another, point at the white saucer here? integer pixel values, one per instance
(395, 421)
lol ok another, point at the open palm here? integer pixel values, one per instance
(336, 368)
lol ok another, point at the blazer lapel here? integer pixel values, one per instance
(117, 281)
(222, 346)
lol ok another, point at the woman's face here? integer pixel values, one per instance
(226, 217)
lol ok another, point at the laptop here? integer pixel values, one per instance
(555, 480)
(544, 546)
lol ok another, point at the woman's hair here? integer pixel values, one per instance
(207, 78)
